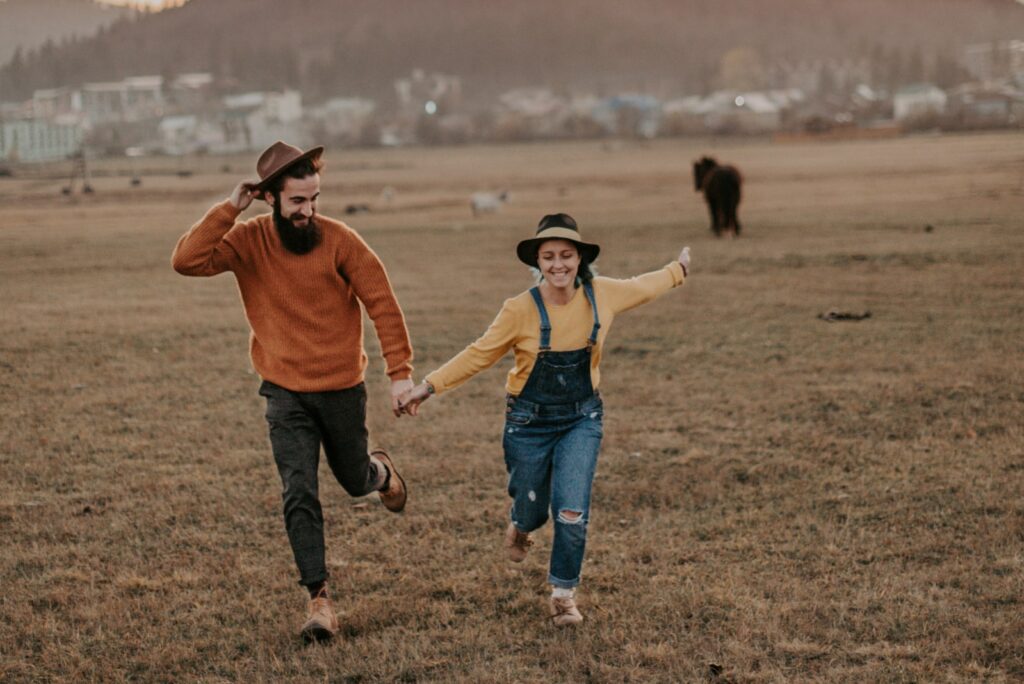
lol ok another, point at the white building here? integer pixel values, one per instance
(757, 112)
(192, 91)
(189, 133)
(133, 99)
(731, 111)
(255, 121)
(56, 102)
(629, 114)
(1000, 60)
(918, 100)
(424, 93)
(531, 112)
(986, 104)
(39, 139)
(343, 118)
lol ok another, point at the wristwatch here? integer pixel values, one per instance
(430, 387)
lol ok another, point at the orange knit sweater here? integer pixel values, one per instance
(307, 327)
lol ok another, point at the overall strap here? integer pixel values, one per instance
(589, 289)
(545, 323)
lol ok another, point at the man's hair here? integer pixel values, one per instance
(300, 169)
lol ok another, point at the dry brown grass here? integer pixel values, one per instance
(779, 498)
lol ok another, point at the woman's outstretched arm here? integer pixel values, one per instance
(478, 356)
(623, 295)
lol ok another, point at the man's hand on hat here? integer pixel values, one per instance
(684, 260)
(244, 193)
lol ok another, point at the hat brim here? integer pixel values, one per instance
(276, 173)
(526, 250)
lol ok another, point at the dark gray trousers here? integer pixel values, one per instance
(300, 422)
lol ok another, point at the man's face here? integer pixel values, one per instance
(298, 199)
(295, 213)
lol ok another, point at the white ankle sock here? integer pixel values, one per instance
(559, 592)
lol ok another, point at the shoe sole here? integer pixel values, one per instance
(565, 619)
(514, 553)
(383, 456)
(316, 635)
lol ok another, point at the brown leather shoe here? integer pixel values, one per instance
(564, 612)
(322, 623)
(517, 543)
(395, 495)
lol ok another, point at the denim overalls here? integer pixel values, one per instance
(552, 437)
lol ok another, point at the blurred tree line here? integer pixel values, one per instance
(359, 47)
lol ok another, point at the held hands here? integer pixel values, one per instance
(684, 261)
(410, 401)
(244, 193)
(398, 389)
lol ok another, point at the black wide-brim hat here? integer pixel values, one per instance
(556, 227)
(278, 158)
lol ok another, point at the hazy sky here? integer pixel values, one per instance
(158, 4)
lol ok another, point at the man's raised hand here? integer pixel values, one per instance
(244, 193)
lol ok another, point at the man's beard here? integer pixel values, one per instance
(296, 240)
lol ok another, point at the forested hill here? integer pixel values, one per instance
(328, 47)
(29, 24)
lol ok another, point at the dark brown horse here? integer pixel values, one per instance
(721, 187)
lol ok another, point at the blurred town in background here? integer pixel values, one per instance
(47, 113)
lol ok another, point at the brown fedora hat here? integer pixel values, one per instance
(276, 159)
(556, 227)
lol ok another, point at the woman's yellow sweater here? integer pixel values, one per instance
(517, 327)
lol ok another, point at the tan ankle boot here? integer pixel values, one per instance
(322, 623)
(395, 495)
(564, 612)
(517, 543)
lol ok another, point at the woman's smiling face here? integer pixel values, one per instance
(558, 261)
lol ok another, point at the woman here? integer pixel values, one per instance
(553, 418)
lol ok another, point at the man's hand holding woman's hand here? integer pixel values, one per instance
(411, 399)
(399, 388)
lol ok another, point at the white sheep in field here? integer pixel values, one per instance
(487, 202)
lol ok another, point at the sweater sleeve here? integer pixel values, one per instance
(480, 355)
(622, 295)
(203, 251)
(365, 272)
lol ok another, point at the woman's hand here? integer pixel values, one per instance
(411, 399)
(684, 261)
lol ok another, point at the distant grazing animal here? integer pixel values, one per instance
(721, 187)
(487, 202)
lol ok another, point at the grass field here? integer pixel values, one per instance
(779, 498)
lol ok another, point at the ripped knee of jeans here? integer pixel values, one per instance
(571, 517)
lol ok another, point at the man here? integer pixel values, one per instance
(302, 277)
